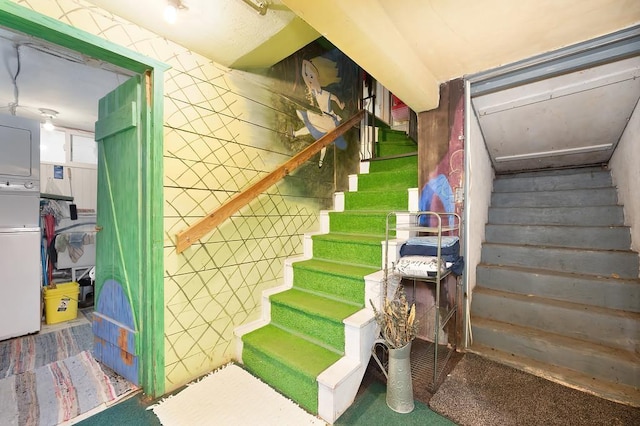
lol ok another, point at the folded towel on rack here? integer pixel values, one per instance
(427, 266)
(420, 266)
(428, 246)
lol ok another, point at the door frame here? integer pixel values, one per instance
(151, 319)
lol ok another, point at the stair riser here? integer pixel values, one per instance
(597, 179)
(592, 326)
(349, 252)
(354, 223)
(403, 163)
(300, 388)
(392, 181)
(388, 200)
(604, 238)
(592, 216)
(573, 198)
(390, 135)
(603, 263)
(346, 288)
(600, 292)
(597, 365)
(395, 148)
(330, 333)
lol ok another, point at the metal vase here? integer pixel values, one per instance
(399, 384)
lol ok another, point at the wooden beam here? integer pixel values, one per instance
(206, 224)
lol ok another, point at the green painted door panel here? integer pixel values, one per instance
(119, 218)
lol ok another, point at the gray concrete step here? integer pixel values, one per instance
(585, 215)
(614, 263)
(594, 237)
(609, 327)
(597, 361)
(553, 180)
(611, 293)
(564, 198)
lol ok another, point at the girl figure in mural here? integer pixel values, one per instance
(317, 74)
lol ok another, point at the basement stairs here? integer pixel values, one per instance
(314, 340)
(557, 290)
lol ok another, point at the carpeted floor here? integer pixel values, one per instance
(479, 392)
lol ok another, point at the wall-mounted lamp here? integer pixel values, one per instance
(47, 118)
(260, 7)
(171, 10)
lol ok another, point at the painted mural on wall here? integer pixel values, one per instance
(438, 193)
(316, 89)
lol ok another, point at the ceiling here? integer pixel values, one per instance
(571, 119)
(425, 42)
(50, 77)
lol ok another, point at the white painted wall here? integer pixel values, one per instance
(83, 185)
(481, 176)
(625, 171)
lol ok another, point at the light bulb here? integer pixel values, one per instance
(48, 124)
(170, 13)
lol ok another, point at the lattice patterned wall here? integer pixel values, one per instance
(218, 138)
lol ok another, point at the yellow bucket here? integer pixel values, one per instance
(61, 303)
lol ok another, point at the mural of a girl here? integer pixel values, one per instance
(318, 73)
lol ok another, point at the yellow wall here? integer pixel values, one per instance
(218, 138)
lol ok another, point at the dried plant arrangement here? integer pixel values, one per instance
(397, 321)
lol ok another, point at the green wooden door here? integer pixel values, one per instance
(119, 291)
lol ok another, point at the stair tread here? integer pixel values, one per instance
(573, 249)
(324, 307)
(296, 352)
(346, 237)
(336, 268)
(557, 226)
(531, 298)
(559, 340)
(538, 271)
(554, 173)
(560, 190)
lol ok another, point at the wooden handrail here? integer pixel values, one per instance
(206, 224)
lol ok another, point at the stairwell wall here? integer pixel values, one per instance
(478, 196)
(625, 171)
(224, 129)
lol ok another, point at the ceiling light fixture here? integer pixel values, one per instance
(47, 118)
(260, 7)
(171, 10)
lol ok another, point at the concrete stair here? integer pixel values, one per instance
(557, 290)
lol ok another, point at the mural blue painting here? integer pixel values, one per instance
(115, 332)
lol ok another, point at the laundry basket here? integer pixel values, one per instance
(61, 303)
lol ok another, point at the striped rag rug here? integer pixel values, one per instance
(54, 393)
(30, 352)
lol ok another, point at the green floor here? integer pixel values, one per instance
(369, 409)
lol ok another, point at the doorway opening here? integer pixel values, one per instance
(142, 288)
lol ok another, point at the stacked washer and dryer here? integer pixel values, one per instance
(20, 265)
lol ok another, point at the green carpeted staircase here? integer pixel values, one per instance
(303, 331)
